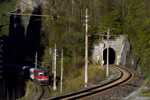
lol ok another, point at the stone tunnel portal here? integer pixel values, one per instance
(112, 56)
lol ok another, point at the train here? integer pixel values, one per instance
(39, 75)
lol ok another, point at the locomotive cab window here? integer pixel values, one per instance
(41, 74)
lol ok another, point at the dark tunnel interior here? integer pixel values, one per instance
(112, 56)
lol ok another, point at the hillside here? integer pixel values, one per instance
(129, 16)
(5, 6)
(66, 29)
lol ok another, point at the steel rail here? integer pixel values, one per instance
(43, 91)
(123, 77)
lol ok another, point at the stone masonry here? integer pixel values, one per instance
(120, 45)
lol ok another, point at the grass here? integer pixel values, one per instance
(147, 95)
(4, 8)
(4, 20)
(75, 81)
(31, 90)
(146, 92)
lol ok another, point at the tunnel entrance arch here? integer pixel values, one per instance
(112, 56)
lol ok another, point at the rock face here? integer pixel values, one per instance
(25, 31)
(44, 4)
(31, 4)
(133, 62)
(120, 45)
(125, 52)
(24, 4)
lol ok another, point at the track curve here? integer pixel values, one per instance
(123, 77)
(43, 91)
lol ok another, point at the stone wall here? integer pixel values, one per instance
(120, 45)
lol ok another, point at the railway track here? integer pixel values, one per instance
(43, 91)
(124, 76)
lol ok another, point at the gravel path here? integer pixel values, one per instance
(137, 95)
(123, 90)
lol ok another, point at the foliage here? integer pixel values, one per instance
(4, 8)
(30, 92)
(130, 17)
(66, 29)
(74, 81)
(146, 93)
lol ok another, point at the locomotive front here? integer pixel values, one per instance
(42, 76)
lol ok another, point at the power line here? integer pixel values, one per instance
(17, 14)
(104, 31)
(104, 27)
(35, 15)
(108, 36)
(9, 12)
(13, 10)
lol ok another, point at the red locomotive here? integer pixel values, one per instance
(41, 75)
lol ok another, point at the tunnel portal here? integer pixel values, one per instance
(112, 56)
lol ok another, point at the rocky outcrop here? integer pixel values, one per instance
(31, 4)
(125, 52)
(25, 4)
(133, 62)
(25, 30)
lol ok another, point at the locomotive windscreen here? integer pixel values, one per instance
(43, 74)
